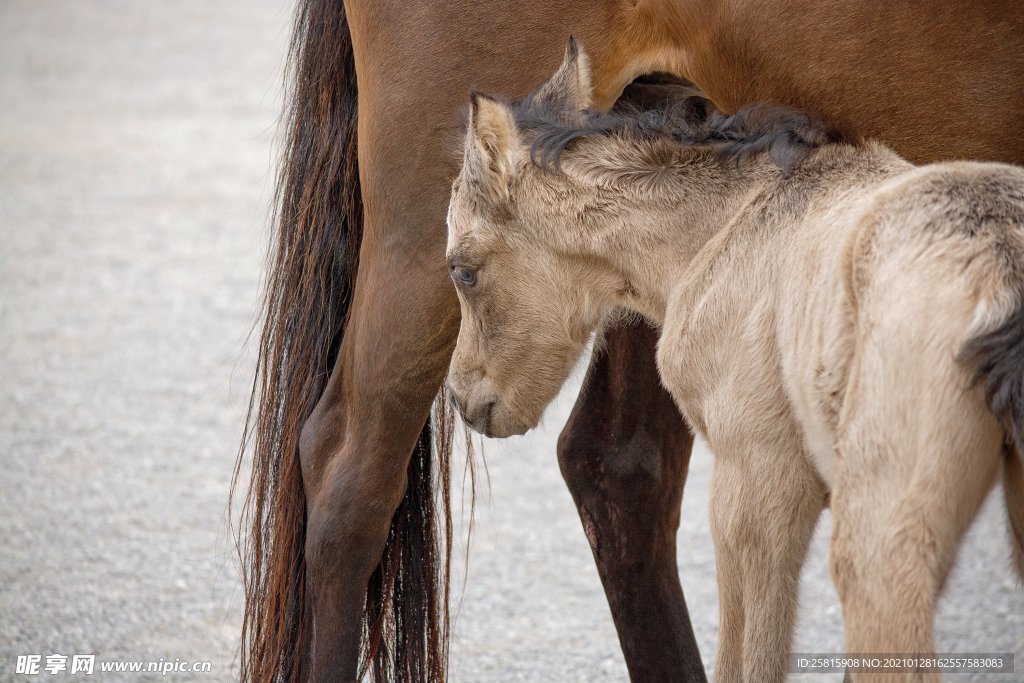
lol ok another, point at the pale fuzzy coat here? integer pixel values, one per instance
(813, 330)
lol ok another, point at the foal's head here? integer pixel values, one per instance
(530, 290)
(526, 316)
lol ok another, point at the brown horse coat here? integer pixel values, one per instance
(339, 545)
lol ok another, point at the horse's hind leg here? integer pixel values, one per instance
(624, 455)
(356, 445)
(913, 467)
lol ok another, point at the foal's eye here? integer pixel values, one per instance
(464, 276)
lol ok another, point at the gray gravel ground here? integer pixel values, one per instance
(134, 156)
(134, 180)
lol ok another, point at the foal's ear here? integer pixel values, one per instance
(569, 90)
(492, 146)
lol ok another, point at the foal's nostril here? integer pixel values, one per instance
(477, 414)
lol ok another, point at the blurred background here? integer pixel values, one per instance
(136, 172)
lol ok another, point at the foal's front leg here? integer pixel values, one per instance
(764, 507)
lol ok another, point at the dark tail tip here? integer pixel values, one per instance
(998, 356)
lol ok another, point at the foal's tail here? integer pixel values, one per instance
(309, 286)
(998, 356)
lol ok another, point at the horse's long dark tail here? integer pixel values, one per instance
(311, 274)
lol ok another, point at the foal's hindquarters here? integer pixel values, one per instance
(936, 264)
(847, 377)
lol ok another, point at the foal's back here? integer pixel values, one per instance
(885, 261)
(827, 344)
(931, 402)
(853, 276)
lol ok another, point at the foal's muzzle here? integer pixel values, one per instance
(477, 414)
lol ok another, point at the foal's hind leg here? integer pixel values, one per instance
(913, 467)
(765, 503)
(624, 454)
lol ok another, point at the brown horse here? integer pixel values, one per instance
(346, 552)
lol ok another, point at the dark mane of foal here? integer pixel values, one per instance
(786, 135)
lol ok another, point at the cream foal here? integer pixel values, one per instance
(849, 331)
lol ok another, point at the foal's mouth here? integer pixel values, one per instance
(482, 421)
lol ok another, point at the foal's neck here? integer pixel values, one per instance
(647, 239)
